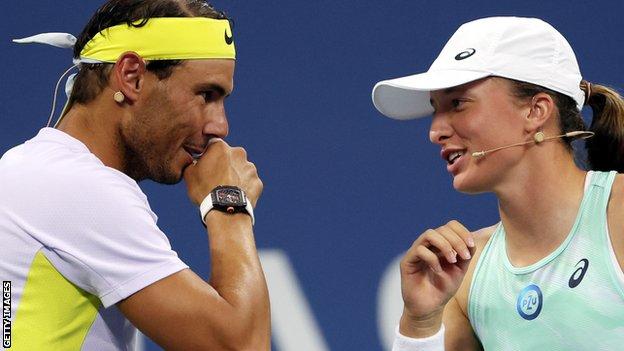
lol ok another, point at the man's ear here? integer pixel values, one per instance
(129, 75)
(542, 110)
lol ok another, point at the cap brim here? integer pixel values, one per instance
(408, 97)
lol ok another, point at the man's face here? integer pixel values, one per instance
(175, 118)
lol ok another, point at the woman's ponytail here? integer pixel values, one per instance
(605, 151)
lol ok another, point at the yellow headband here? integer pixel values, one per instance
(166, 38)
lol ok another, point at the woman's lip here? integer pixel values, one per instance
(455, 166)
(447, 151)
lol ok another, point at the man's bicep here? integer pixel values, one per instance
(180, 312)
(459, 335)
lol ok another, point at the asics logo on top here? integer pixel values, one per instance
(229, 39)
(465, 54)
(579, 273)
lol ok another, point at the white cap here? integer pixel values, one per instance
(524, 49)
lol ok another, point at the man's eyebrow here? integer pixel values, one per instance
(212, 86)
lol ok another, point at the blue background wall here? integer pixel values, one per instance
(346, 191)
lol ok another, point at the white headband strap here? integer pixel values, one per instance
(60, 40)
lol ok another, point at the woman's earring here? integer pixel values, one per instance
(119, 97)
(539, 137)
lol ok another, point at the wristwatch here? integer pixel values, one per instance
(228, 199)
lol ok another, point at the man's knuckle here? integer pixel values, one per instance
(430, 232)
(239, 151)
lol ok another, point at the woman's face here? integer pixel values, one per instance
(478, 116)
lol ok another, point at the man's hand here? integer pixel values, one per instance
(232, 311)
(222, 165)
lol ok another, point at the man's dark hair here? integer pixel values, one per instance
(92, 78)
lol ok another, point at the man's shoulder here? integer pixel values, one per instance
(56, 160)
(56, 171)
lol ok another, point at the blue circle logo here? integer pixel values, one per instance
(529, 304)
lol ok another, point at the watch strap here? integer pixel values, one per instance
(207, 205)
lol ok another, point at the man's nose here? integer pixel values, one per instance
(217, 123)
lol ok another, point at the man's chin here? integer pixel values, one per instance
(168, 178)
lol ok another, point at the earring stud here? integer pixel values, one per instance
(119, 97)
(539, 137)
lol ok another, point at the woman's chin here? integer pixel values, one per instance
(466, 185)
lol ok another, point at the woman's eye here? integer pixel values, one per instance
(457, 103)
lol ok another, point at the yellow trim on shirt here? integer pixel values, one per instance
(53, 313)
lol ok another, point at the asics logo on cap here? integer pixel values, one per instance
(465, 54)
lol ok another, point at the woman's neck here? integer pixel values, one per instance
(538, 207)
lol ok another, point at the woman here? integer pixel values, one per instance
(505, 94)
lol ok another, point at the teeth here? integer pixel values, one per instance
(454, 155)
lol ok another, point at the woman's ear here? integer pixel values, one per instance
(542, 109)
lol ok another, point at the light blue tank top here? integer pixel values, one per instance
(573, 299)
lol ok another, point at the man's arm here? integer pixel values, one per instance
(231, 312)
(183, 312)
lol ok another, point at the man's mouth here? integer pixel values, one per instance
(195, 153)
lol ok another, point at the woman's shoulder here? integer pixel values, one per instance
(616, 201)
(617, 189)
(481, 237)
(615, 217)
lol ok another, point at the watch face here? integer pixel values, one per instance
(229, 196)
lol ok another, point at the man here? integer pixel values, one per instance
(83, 254)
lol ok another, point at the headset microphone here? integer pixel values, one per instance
(538, 138)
